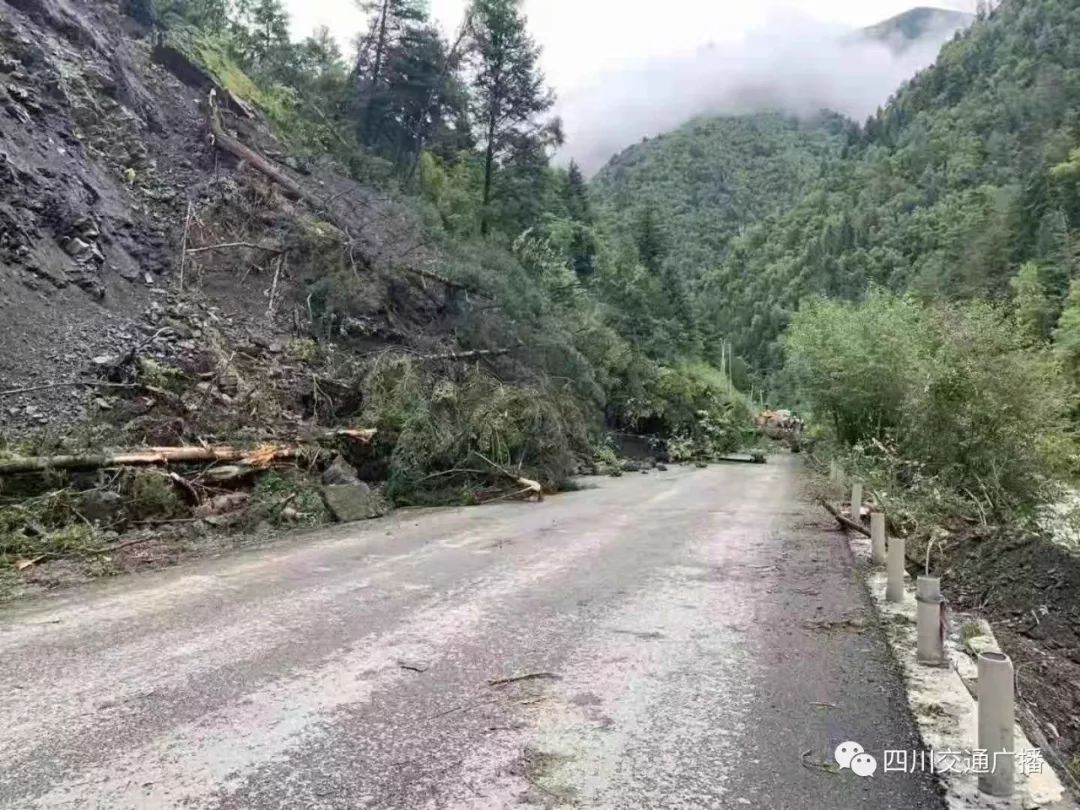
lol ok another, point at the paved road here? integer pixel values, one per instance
(689, 628)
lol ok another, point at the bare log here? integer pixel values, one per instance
(415, 271)
(238, 150)
(150, 389)
(462, 357)
(224, 140)
(843, 519)
(251, 459)
(148, 457)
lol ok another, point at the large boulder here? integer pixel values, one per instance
(340, 473)
(352, 502)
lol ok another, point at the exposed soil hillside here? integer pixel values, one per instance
(158, 290)
(103, 148)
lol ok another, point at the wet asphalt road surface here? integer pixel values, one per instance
(697, 638)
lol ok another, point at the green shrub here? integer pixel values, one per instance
(948, 400)
(447, 433)
(150, 494)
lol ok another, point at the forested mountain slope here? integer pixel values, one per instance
(947, 192)
(712, 177)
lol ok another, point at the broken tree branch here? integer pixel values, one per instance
(529, 676)
(274, 286)
(461, 357)
(533, 488)
(228, 245)
(223, 140)
(844, 520)
(93, 384)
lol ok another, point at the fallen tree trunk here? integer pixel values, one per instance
(530, 488)
(226, 245)
(225, 141)
(461, 357)
(30, 389)
(149, 456)
(443, 280)
(258, 458)
(843, 519)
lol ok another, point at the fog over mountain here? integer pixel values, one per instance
(793, 64)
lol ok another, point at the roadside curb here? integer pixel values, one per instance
(942, 698)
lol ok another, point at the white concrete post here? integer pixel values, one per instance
(856, 501)
(931, 643)
(877, 537)
(928, 587)
(996, 723)
(836, 475)
(894, 590)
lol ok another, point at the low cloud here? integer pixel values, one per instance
(793, 65)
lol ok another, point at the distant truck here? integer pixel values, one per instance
(781, 426)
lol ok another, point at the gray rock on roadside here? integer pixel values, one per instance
(100, 507)
(353, 502)
(340, 473)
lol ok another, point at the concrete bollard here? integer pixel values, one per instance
(856, 501)
(996, 723)
(894, 590)
(877, 537)
(928, 587)
(836, 474)
(931, 642)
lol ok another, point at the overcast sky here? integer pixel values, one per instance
(626, 69)
(584, 37)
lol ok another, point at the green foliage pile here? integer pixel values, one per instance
(451, 436)
(44, 524)
(947, 403)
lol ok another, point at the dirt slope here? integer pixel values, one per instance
(102, 148)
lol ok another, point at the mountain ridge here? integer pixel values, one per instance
(918, 23)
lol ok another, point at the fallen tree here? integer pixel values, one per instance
(149, 456)
(464, 357)
(843, 519)
(223, 140)
(257, 458)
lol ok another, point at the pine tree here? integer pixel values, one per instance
(407, 92)
(509, 89)
(390, 24)
(650, 239)
(577, 195)
(261, 34)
